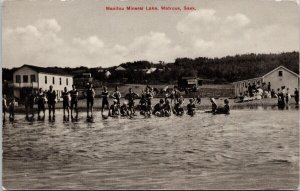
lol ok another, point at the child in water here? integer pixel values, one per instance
(114, 109)
(124, 110)
(167, 108)
(159, 108)
(213, 105)
(178, 109)
(191, 108)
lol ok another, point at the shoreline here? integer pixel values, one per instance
(205, 104)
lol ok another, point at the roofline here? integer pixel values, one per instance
(26, 65)
(269, 74)
(280, 67)
(248, 79)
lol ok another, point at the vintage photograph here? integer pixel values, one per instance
(150, 94)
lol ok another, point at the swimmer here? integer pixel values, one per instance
(191, 108)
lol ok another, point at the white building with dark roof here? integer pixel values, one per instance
(29, 77)
(279, 77)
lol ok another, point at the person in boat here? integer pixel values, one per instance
(131, 96)
(51, 97)
(117, 95)
(159, 108)
(4, 106)
(11, 109)
(29, 103)
(178, 108)
(225, 109)
(124, 110)
(66, 100)
(90, 95)
(41, 102)
(104, 95)
(74, 101)
(213, 105)
(114, 109)
(167, 108)
(191, 107)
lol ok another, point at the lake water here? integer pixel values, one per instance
(250, 148)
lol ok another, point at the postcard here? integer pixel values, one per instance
(150, 94)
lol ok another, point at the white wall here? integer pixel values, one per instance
(288, 79)
(25, 71)
(56, 86)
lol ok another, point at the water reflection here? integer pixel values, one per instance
(202, 152)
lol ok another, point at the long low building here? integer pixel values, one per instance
(29, 77)
(280, 76)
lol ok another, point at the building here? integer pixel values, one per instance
(189, 83)
(120, 69)
(278, 78)
(29, 77)
(82, 79)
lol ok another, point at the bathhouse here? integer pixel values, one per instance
(279, 77)
(29, 77)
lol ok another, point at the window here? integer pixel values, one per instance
(53, 80)
(59, 81)
(18, 79)
(32, 78)
(280, 73)
(67, 81)
(25, 79)
(46, 80)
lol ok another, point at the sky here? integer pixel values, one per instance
(71, 33)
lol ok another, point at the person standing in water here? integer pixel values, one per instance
(90, 94)
(105, 103)
(131, 97)
(117, 95)
(12, 109)
(51, 96)
(191, 107)
(4, 106)
(41, 102)
(74, 101)
(66, 100)
(29, 103)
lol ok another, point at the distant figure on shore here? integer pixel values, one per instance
(250, 90)
(104, 95)
(66, 101)
(74, 101)
(29, 103)
(273, 94)
(90, 94)
(287, 96)
(213, 105)
(41, 102)
(4, 106)
(269, 86)
(178, 108)
(51, 97)
(131, 96)
(114, 109)
(117, 95)
(281, 98)
(296, 94)
(11, 108)
(191, 107)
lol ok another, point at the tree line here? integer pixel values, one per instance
(217, 70)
